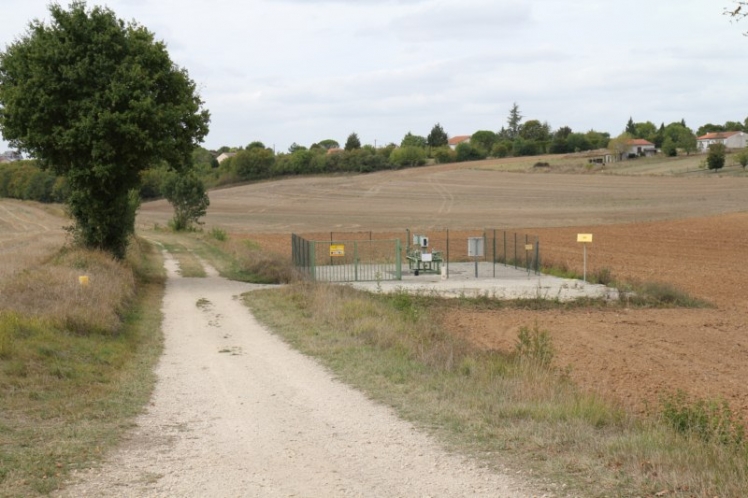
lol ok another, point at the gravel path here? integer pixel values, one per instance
(238, 413)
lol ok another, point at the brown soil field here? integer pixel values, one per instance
(689, 232)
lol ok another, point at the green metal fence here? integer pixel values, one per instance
(348, 260)
(516, 249)
(500, 247)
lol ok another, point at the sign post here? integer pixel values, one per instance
(584, 239)
(476, 249)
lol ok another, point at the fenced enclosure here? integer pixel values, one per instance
(370, 256)
(500, 247)
(348, 260)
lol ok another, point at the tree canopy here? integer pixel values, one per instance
(352, 142)
(513, 121)
(98, 100)
(410, 140)
(438, 137)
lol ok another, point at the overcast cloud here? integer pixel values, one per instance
(304, 70)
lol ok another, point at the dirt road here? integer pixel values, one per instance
(237, 413)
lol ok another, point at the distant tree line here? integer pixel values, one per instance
(256, 161)
(26, 181)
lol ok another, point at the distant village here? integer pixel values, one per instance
(10, 156)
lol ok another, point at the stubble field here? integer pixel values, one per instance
(691, 232)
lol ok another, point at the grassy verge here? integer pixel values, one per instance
(73, 376)
(235, 259)
(507, 410)
(189, 264)
(632, 292)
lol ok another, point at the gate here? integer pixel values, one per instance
(347, 260)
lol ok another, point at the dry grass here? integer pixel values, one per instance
(76, 364)
(234, 258)
(506, 409)
(53, 292)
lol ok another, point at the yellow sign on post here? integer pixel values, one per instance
(584, 238)
(529, 247)
(337, 250)
(83, 280)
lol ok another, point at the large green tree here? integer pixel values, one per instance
(98, 100)
(680, 137)
(410, 140)
(485, 139)
(437, 137)
(353, 142)
(514, 120)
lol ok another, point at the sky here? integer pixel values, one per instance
(301, 71)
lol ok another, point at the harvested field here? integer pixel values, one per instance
(689, 232)
(29, 233)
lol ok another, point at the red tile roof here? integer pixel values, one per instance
(717, 135)
(639, 141)
(458, 139)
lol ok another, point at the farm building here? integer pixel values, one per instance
(455, 141)
(225, 156)
(640, 147)
(10, 156)
(731, 140)
(599, 156)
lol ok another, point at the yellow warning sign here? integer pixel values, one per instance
(584, 237)
(337, 250)
(529, 247)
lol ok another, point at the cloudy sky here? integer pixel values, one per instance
(285, 71)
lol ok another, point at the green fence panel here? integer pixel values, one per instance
(348, 260)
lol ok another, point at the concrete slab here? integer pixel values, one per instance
(495, 281)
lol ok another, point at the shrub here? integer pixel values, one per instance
(711, 421)
(219, 234)
(534, 346)
(468, 152)
(715, 159)
(408, 156)
(444, 155)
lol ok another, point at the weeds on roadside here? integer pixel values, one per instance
(534, 346)
(75, 362)
(245, 261)
(219, 234)
(495, 404)
(710, 421)
(631, 292)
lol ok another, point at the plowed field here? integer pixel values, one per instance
(689, 232)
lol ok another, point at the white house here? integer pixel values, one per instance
(225, 156)
(10, 156)
(730, 139)
(455, 141)
(640, 147)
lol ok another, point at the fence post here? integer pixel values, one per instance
(313, 265)
(447, 252)
(515, 250)
(398, 261)
(494, 253)
(506, 256)
(537, 256)
(355, 261)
